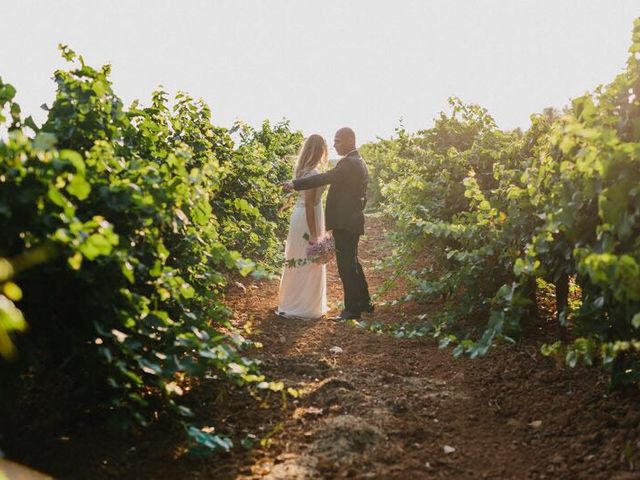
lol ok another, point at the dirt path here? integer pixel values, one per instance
(378, 407)
(390, 408)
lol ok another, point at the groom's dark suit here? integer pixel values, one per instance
(344, 215)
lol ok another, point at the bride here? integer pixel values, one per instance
(303, 289)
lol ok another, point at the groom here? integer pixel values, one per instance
(344, 216)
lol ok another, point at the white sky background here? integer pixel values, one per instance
(326, 64)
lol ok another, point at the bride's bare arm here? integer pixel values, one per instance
(310, 200)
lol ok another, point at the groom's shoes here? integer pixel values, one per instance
(346, 315)
(349, 315)
(369, 308)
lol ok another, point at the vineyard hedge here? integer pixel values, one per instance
(119, 228)
(509, 217)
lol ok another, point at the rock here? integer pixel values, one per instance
(448, 449)
(398, 405)
(283, 457)
(513, 422)
(295, 467)
(343, 437)
(308, 367)
(557, 459)
(535, 424)
(240, 286)
(309, 412)
(336, 350)
(334, 391)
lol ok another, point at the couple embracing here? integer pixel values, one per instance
(303, 289)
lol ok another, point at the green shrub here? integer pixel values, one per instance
(502, 213)
(117, 239)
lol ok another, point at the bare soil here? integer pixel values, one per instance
(376, 407)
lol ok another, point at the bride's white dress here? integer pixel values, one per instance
(303, 289)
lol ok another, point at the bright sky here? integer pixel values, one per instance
(326, 64)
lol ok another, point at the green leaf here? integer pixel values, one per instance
(185, 411)
(74, 158)
(28, 122)
(201, 213)
(12, 291)
(187, 291)
(95, 246)
(571, 358)
(99, 88)
(75, 261)
(133, 376)
(127, 271)
(44, 141)
(6, 269)
(7, 92)
(57, 197)
(552, 349)
(11, 319)
(635, 321)
(244, 266)
(79, 187)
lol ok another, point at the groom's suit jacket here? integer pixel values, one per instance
(347, 194)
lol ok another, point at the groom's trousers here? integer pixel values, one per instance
(356, 290)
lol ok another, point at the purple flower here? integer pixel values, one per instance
(322, 251)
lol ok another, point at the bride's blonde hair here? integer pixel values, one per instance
(314, 152)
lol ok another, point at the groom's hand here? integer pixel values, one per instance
(287, 186)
